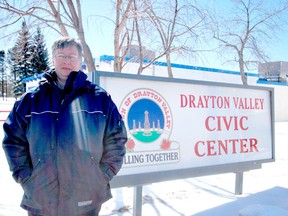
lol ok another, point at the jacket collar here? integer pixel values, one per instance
(75, 81)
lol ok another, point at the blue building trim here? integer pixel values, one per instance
(108, 58)
(182, 66)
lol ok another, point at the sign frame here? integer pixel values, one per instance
(140, 179)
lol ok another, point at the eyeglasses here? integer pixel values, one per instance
(70, 58)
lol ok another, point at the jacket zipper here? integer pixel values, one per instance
(55, 143)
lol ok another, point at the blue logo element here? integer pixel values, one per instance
(145, 120)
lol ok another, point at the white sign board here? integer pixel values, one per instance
(177, 124)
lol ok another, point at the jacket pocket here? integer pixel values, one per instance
(101, 168)
(89, 182)
(33, 171)
(41, 189)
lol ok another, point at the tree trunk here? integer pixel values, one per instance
(169, 68)
(57, 17)
(242, 72)
(88, 57)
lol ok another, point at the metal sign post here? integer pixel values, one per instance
(137, 201)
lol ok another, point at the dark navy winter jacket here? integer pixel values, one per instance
(64, 146)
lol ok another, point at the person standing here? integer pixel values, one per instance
(65, 140)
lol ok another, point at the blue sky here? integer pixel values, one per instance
(99, 35)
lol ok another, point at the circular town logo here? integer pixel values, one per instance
(148, 119)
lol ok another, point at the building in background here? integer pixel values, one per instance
(133, 53)
(273, 71)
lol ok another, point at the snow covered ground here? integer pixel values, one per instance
(265, 191)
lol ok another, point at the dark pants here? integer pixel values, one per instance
(33, 214)
(91, 213)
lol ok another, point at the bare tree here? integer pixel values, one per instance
(175, 21)
(137, 29)
(67, 14)
(121, 33)
(242, 32)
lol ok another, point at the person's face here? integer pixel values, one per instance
(65, 61)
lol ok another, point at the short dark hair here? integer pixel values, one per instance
(64, 42)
